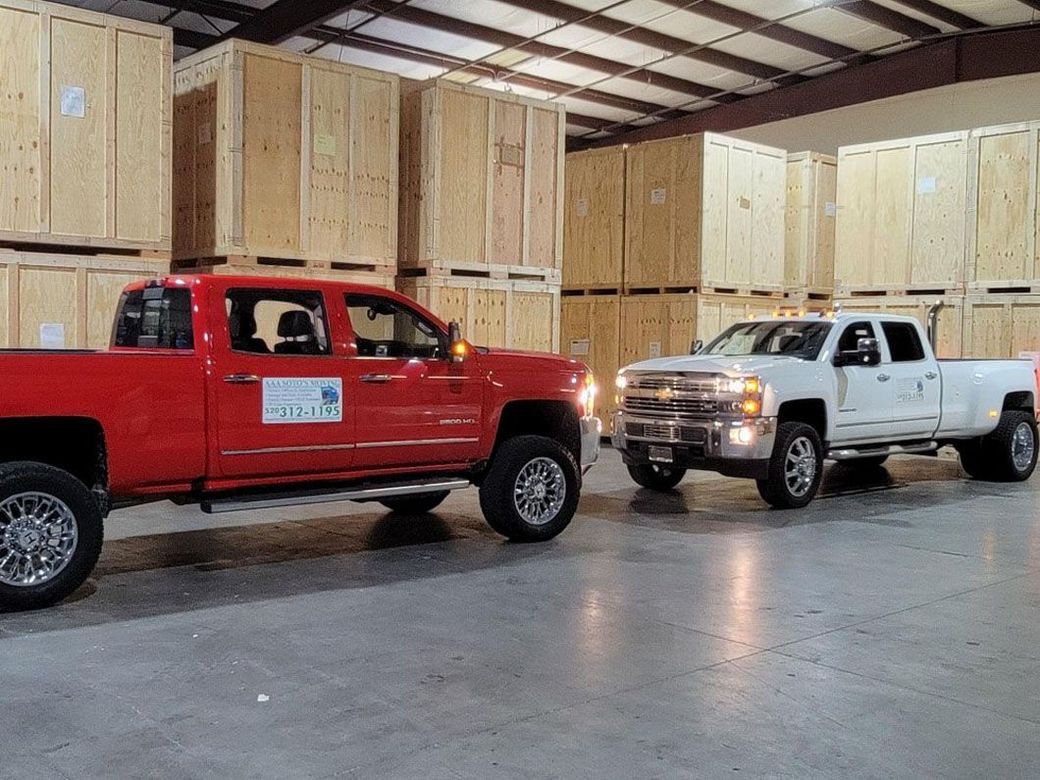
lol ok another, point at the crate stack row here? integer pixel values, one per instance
(670, 241)
(949, 217)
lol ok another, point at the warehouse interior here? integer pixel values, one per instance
(611, 181)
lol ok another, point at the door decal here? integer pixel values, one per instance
(302, 400)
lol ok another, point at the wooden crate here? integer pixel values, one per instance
(705, 211)
(374, 278)
(282, 156)
(917, 306)
(594, 219)
(901, 223)
(1001, 326)
(67, 301)
(85, 128)
(666, 324)
(1003, 219)
(812, 180)
(590, 331)
(481, 177)
(492, 312)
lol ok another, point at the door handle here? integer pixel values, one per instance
(376, 379)
(883, 377)
(930, 375)
(241, 379)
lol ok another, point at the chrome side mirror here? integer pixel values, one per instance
(696, 346)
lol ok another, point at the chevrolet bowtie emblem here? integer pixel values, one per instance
(664, 394)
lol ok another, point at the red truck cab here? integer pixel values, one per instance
(241, 392)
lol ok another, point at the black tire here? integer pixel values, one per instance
(497, 492)
(654, 477)
(415, 505)
(775, 490)
(25, 477)
(1010, 451)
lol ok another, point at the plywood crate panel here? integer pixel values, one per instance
(373, 278)
(590, 331)
(950, 317)
(59, 300)
(812, 181)
(705, 211)
(481, 181)
(492, 312)
(1004, 220)
(901, 221)
(594, 218)
(85, 128)
(667, 324)
(1001, 326)
(284, 156)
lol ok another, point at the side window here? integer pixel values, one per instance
(154, 318)
(903, 342)
(849, 341)
(385, 328)
(277, 322)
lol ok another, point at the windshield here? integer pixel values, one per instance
(796, 339)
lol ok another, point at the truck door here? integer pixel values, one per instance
(914, 387)
(282, 399)
(863, 392)
(413, 404)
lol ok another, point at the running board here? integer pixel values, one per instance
(851, 453)
(215, 506)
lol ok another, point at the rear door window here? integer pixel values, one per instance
(904, 344)
(277, 322)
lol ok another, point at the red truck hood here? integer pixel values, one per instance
(517, 358)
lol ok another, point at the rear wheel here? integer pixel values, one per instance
(795, 468)
(655, 477)
(415, 505)
(50, 535)
(1010, 451)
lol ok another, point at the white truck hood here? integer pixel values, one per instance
(714, 364)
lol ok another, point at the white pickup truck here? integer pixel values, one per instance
(772, 398)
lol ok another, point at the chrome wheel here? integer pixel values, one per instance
(38, 537)
(1022, 444)
(540, 491)
(800, 467)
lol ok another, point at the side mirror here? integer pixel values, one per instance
(459, 348)
(867, 353)
(696, 346)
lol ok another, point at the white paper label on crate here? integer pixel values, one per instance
(658, 196)
(926, 185)
(655, 349)
(302, 400)
(581, 207)
(830, 209)
(74, 102)
(52, 335)
(580, 346)
(205, 133)
(325, 145)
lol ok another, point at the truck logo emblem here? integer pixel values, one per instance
(664, 394)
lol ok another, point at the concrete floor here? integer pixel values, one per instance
(879, 632)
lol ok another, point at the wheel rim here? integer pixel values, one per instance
(38, 537)
(800, 466)
(1022, 444)
(540, 490)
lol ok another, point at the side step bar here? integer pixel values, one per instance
(851, 453)
(371, 493)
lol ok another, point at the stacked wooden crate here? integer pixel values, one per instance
(284, 165)
(85, 136)
(481, 211)
(809, 227)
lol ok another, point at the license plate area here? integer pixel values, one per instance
(660, 454)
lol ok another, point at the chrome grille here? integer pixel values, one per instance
(689, 383)
(672, 406)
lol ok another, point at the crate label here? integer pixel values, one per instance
(52, 335)
(658, 196)
(325, 145)
(744, 203)
(926, 185)
(830, 209)
(74, 102)
(205, 134)
(580, 346)
(581, 207)
(655, 349)
(510, 154)
(302, 400)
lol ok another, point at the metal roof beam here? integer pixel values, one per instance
(285, 19)
(885, 17)
(943, 14)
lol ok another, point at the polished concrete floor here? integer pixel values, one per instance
(891, 629)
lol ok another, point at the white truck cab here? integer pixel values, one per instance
(772, 398)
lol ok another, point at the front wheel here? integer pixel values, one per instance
(50, 535)
(795, 467)
(415, 505)
(530, 492)
(654, 477)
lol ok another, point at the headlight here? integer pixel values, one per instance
(587, 397)
(621, 381)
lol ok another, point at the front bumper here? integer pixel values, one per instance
(591, 431)
(708, 444)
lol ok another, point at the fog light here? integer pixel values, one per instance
(742, 435)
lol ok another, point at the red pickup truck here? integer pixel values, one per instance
(241, 392)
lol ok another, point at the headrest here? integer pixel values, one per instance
(242, 324)
(295, 324)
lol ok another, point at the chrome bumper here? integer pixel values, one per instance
(591, 430)
(708, 438)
